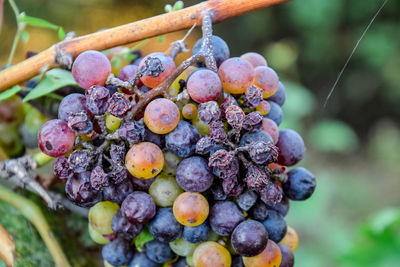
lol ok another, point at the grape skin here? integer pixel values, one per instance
(141, 260)
(194, 175)
(267, 79)
(138, 207)
(287, 256)
(224, 217)
(236, 75)
(255, 59)
(291, 147)
(144, 160)
(164, 227)
(191, 209)
(220, 49)
(270, 257)
(211, 254)
(123, 228)
(197, 234)
(249, 238)
(161, 116)
(56, 138)
(70, 104)
(280, 95)
(182, 140)
(182, 247)
(270, 127)
(300, 184)
(275, 225)
(291, 239)
(158, 251)
(165, 190)
(275, 113)
(91, 68)
(168, 65)
(101, 215)
(118, 252)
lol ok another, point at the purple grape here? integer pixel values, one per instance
(196, 234)
(97, 99)
(117, 193)
(247, 199)
(220, 49)
(280, 95)
(117, 153)
(140, 260)
(194, 175)
(275, 225)
(71, 104)
(132, 132)
(118, 174)
(141, 184)
(123, 228)
(282, 207)
(291, 147)
(300, 184)
(158, 251)
(275, 113)
(138, 207)
(62, 169)
(128, 72)
(98, 179)
(80, 191)
(259, 211)
(287, 256)
(80, 122)
(118, 252)
(182, 140)
(158, 139)
(224, 217)
(256, 136)
(164, 227)
(119, 105)
(180, 263)
(249, 238)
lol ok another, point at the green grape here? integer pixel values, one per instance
(96, 237)
(189, 260)
(213, 236)
(112, 123)
(100, 216)
(165, 190)
(171, 162)
(182, 247)
(175, 87)
(202, 127)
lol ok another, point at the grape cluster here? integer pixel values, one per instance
(205, 175)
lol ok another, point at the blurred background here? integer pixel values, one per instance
(353, 219)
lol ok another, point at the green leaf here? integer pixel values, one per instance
(178, 5)
(160, 38)
(61, 33)
(10, 92)
(116, 62)
(142, 239)
(168, 8)
(37, 22)
(24, 36)
(53, 79)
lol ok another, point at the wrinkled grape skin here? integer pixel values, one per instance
(161, 116)
(140, 260)
(270, 127)
(78, 189)
(220, 49)
(287, 256)
(236, 75)
(101, 215)
(196, 234)
(281, 207)
(182, 140)
(72, 103)
(123, 228)
(254, 59)
(291, 147)
(275, 113)
(256, 136)
(165, 190)
(91, 68)
(300, 184)
(249, 238)
(211, 254)
(144, 160)
(291, 239)
(168, 65)
(158, 251)
(194, 175)
(118, 252)
(275, 225)
(267, 79)
(224, 217)
(191, 209)
(138, 207)
(56, 138)
(164, 227)
(270, 257)
(280, 95)
(117, 193)
(204, 85)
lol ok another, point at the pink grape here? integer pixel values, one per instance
(56, 138)
(168, 67)
(204, 85)
(91, 68)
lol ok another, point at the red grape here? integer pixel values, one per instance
(156, 77)
(255, 59)
(267, 79)
(91, 68)
(56, 138)
(204, 85)
(236, 75)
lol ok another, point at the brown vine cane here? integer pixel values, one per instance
(128, 33)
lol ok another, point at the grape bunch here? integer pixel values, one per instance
(202, 175)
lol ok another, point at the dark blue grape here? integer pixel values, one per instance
(140, 260)
(118, 252)
(282, 207)
(247, 199)
(182, 140)
(291, 147)
(164, 227)
(300, 184)
(275, 225)
(138, 207)
(280, 95)
(194, 175)
(249, 238)
(287, 256)
(237, 261)
(224, 217)
(275, 113)
(256, 136)
(220, 49)
(259, 211)
(158, 251)
(196, 234)
(181, 262)
(123, 228)
(118, 192)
